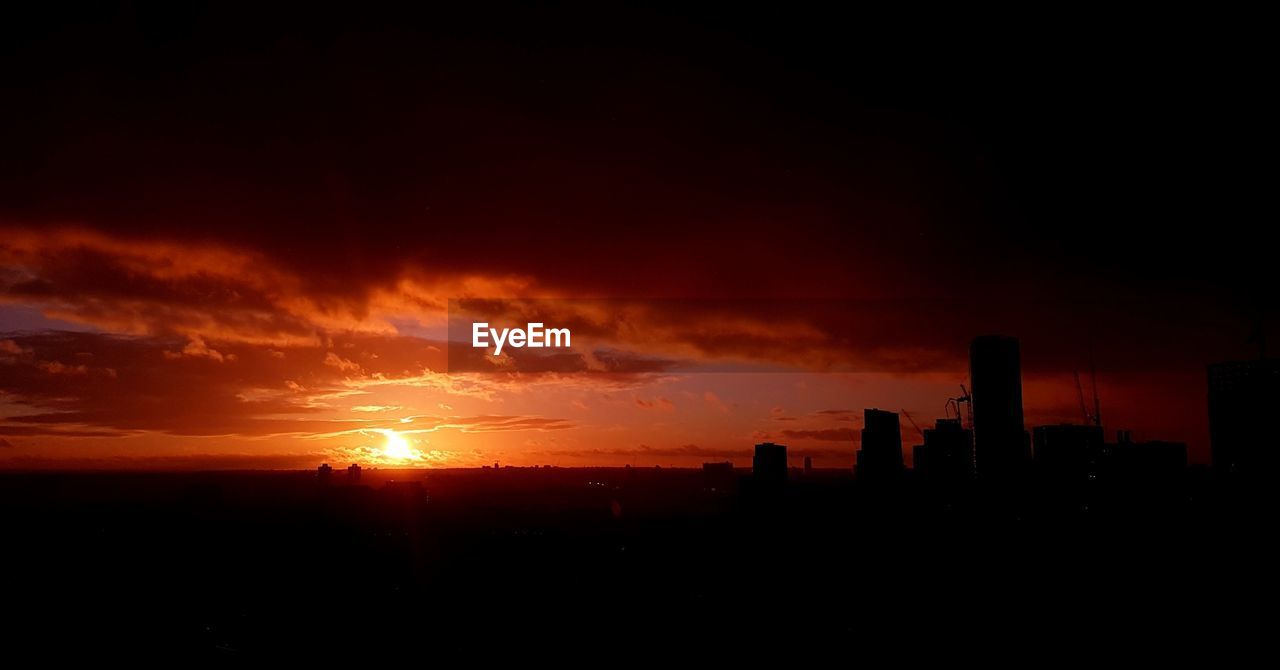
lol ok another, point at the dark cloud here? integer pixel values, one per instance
(854, 198)
(752, 154)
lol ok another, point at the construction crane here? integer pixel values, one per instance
(1095, 417)
(1097, 404)
(954, 404)
(913, 423)
(1084, 409)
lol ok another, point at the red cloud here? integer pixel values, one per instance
(75, 380)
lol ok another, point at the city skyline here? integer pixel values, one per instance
(396, 449)
(333, 332)
(231, 241)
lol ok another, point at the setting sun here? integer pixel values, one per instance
(395, 446)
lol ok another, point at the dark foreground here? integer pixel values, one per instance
(608, 565)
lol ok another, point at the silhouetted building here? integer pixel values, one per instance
(808, 465)
(1001, 444)
(1067, 452)
(1243, 397)
(324, 472)
(770, 463)
(880, 454)
(353, 473)
(947, 453)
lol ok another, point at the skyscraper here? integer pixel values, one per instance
(1001, 445)
(880, 455)
(769, 466)
(1243, 397)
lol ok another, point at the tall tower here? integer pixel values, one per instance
(770, 464)
(880, 455)
(1001, 445)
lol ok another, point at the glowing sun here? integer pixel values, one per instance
(395, 446)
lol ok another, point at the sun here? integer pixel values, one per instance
(395, 446)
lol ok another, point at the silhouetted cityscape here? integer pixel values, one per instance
(677, 557)
(995, 447)
(613, 333)
(989, 442)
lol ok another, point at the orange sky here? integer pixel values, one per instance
(170, 354)
(233, 244)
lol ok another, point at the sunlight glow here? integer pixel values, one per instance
(396, 447)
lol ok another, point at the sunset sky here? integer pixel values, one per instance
(229, 235)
